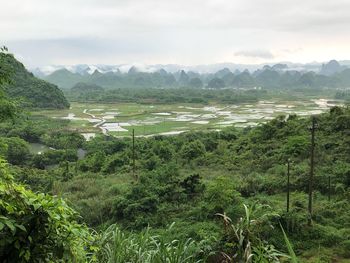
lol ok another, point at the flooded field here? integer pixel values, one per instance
(120, 118)
(37, 148)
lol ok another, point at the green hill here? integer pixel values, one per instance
(64, 78)
(29, 90)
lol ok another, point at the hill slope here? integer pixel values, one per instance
(64, 78)
(32, 92)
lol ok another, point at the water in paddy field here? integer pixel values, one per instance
(37, 148)
(173, 119)
(89, 135)
(81, 153)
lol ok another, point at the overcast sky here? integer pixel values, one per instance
(189, 32)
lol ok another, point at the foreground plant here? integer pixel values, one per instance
(243, 238)
(293, 257)
(117, 246)
(38, 227)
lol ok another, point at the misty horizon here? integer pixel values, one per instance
(172, 68)
(42, 33)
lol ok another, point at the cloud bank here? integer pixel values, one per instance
(183, 31)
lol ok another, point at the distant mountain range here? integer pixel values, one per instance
(323, 68)
(282, 75)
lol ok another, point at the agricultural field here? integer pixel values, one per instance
(120, 119)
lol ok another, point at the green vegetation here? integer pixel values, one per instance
(158, 95)
(117, 246)
(29, 90)
(37, 227)
(83, 87)
(201, 196)
(189, 178)
(173, 118)
(8, 108)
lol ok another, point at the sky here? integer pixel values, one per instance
(187, 32)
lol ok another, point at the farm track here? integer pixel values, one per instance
(99, 124)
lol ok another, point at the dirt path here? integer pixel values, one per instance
(99, 124)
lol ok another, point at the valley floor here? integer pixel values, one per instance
(119, 119)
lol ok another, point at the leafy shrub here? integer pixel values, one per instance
(37, 227)
(17, 150)
(192, 150)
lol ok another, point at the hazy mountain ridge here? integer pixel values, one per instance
(202, 69)
(282, 75)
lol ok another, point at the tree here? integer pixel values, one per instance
(17, 150)
(115, 162)
(297, 146)
(164, 151)
(192, 150)
(221, 196)
(63, 140)
(192, 185)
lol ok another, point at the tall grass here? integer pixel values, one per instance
(117, 246)
(293, 257)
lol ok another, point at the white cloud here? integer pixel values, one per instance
(263, 54)
(182, 31)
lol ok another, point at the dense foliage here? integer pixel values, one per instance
(37, 227)
(222, 193)
(29, 90)
(189, 178)
(8, 107)
(158, 95)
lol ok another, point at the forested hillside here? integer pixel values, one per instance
(220, 196)
(29, 90)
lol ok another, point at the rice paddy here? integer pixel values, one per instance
(119, 119)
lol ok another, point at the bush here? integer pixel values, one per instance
(17, 151)
(37, 227)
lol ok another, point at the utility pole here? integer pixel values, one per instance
(329, 188)
(312, 167)
(66, 172)
(133, 153)
(288, 168)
